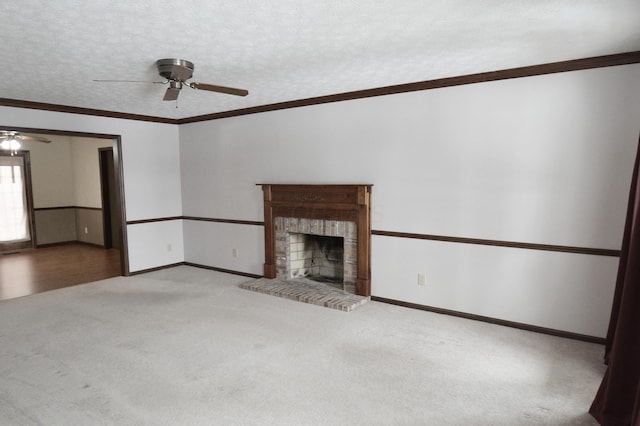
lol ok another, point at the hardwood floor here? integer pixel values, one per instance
(35, 271)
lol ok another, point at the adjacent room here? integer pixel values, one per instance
(449, 186)
(59, 202)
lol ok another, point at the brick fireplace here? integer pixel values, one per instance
(319, 231)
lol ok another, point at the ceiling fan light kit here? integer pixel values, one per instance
(10, 140)
(11, 144)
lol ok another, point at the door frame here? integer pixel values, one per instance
(119, 178)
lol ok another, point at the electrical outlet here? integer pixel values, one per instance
(234, 252)
(422, 279)
(169, 247)
(86, 230)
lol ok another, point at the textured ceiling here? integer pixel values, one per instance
(287, 49)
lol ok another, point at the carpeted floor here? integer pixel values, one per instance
(187, 346)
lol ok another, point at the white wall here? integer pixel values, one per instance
(212, 244)
(155, 244)
(555, 290)
(151, 177)
(544, 159)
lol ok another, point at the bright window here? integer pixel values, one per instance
(14, 225)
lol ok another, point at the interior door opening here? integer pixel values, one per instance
(64, 209)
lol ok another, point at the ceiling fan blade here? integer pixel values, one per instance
(219, 89)
(171, 94)
(10, 135)
(28, 138)
(127, 81)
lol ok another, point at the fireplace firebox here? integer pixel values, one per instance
(317, 257)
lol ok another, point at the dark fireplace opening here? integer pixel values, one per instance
(317, 257)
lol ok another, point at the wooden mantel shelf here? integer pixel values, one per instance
(327, 202)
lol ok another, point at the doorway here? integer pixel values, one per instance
(16, 214)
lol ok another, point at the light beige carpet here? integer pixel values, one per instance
(187, 346)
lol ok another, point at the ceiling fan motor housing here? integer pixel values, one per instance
(175, 69)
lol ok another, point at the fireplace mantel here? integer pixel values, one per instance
(325, 202)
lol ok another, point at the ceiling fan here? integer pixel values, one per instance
(10, 139)
(176, 72)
